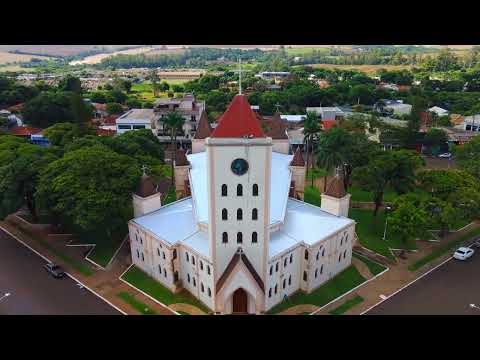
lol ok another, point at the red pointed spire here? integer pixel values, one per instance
(204, 129)
(238, 121)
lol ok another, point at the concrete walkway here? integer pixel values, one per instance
(190, 309)
(362, 268)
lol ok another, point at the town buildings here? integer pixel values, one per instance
(135, 119)
(239, 240)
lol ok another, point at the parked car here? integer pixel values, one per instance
(463, 253)
(445, 155)
(54, 270)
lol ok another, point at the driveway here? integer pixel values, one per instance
(448, 290)
(34, 292)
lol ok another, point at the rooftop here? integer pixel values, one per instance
(146, 114)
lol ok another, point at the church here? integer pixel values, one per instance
(240, 239)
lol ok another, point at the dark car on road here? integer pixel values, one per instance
(54, 270)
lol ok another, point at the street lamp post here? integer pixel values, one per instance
(387, 210)
(4, 296)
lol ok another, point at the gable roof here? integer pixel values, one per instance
(239, 256)
(204, 129)
(336, 188)
(277, 128)
(298, 158)
(238, 121)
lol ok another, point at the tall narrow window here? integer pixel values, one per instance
(239, 190)
(239, 238)
(202, 288)
(175, 276)
(271, 270)
(224, 190)
(159, 269)
(339, 257)
(291, 258)
(344, 254)
(285, 262)
(143, 257)
(138, 254)
(316, 273)
(174, 254)
(254, 214)
(163, 255)
(239, 214)
(290, 280)
(193, 260)
(164, 272)
(321, 269)
(306, 254)
(276, 267)
(188, 278)
(194, 282)
(276, 288)
(224, 238)
(188, 258)
(209, 292)
(323, 252)
(208, 269)
(201, 265)
(304, 276)
(254, 237)
(284, 283)
(318, 255)
(158, 251)
(270, 292)
(255, 190)
(224, 214)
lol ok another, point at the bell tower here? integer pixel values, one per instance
(238, 177)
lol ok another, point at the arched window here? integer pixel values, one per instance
(254, 214)
(209, 292)
(291, 258)
(270, 292)
(224, 238)
(271, 270)
(255, 190)
(323, 252)
(201, 265)
(239, 238)
(208, 269)
(304, 276)
(239, 214)
(254, 237)
(276, 267)
(202, 288)
(159, 269)
(239, 190)
(188, 258)
(284, 283)
(285, 262)
(290, 280)
(306, 254)
(318, 255)
(164, 272)
(316, 273)
(188, 278)
(276, 288)
(193, 260)
(224, 190)
(224, 214)
(344, 254)
(321, 269)
(174, 254)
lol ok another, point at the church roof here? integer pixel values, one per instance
(146, 187)
(238, 121)
(239, 256)
(298, 158)
(336, 188)
(277, 128)
(204, 129)
(181, 159)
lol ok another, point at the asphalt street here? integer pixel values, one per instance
(35, 292)
(448, 290)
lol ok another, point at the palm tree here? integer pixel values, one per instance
(329, 156)
(174, 123)
(311, 130)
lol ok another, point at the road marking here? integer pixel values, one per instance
(383, 297)
(404, 287)
(69, 275)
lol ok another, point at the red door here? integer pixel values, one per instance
(240, 301)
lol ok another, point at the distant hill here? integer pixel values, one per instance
(60, 50)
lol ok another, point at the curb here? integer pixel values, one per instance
(140, 291)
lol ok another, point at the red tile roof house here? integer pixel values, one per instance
(24, 131)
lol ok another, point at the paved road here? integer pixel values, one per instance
(448, 290)
(34, 292)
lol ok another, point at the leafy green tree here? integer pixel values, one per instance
(442, 183)
(329, 151)
(178, 88)
(164, 86)
(133, 103)
(90, 189)
(20, 165)
(99, 97)
(435, 138)
(394, 169)
(173, 122)
(311, 130)
(408, 221)
(70, 83)
(118, 96)
(442, 213)
(114, 108)
(467, 156)
(47, 109)
(62, 134)
(136, 143)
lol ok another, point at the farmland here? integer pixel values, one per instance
(9, 58)
(369, 69)
(97, 58)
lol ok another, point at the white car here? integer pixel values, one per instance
(463, 253)
(445, 155)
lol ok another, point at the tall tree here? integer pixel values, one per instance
(311, 130)
(408, 221)
(174, 122)
(467, 156)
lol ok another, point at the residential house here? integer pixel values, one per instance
(398, 107)
(439, 111)
(134, 119)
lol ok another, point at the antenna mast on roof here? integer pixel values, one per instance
(240, 76)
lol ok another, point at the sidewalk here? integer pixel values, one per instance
(104, 283)
(397, 277)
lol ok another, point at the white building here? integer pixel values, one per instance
(398, 107)
(326, 112)
(439, 111)
(242, 242)
(134, 119)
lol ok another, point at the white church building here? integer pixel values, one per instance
(240, 240)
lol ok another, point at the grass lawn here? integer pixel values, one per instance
(312, 195)
(137, 305)
(316, 173)
(374, 267)
(340, 284)
(442, 250)
(147, 284)
(105, 248)
(346, 306)
(366, 196)
(370, 232)
(299, 51)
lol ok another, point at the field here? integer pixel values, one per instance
(369, 69)
(8, 58)
(58, 50)
(299, 51)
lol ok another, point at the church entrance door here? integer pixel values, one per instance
(240, 302)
